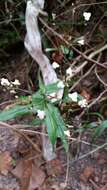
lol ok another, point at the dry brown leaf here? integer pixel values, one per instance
(87, 173)
(30, 176)
(5, 162)
(54, 167)
(57, 57)
(86, 94)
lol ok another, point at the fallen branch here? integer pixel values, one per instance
(34, 46)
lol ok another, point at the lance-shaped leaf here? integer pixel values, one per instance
(16, 111)
(51, 124)
(55, 125)
(100, 129)
(38, 100)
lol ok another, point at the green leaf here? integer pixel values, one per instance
(60, 128)
(15, 112)
(65, 50)
(100, 129)
(56, 125)
(41, 85)
(38, 100)
(97, 114)
(51, 124)
(70, 55)
(51, 49)
(52, 88)
(37, 122)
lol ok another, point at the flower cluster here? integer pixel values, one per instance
(75, 98)
(10, 85)
(5, 82)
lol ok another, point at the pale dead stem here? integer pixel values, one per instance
(95, 186)
(33, 43)
(34, 46)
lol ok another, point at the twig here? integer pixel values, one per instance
(82, 5)
(67, 170)
(96, 73)
(93, 102)
(81, 141)
(88, 58)
(85, 75)
(6, 102)
(97, 99)
(3, 124)
(78, 58)
(87, 154)
(95, 186)
(96, 25)
(33, 132)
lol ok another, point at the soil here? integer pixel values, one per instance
(86, 174)
(24, 167)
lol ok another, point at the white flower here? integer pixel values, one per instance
(52, 95)
(13, 91)
(5, 82)
(16, 97)
(83, 103)
(81, 40)
(87, 16)
(55, 65)
(67, 133)
(53, 16)
(69, 72)
(40, 114)
(54, 100)
(73, 96)
(16, 82)
(60, 84)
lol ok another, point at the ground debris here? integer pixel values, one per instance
(5, 162)
(87, 173)
(29, 175)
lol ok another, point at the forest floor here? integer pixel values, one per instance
(84, 167)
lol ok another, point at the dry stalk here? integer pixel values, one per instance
(34, 46)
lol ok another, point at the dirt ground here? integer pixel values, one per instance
(21, 158)
(22, 166)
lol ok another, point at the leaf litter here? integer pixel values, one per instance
(5, 162)
(29, 175)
